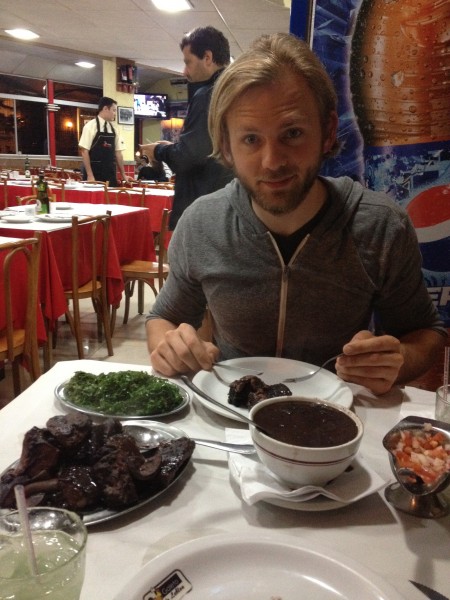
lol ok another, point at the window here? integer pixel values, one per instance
(23, 121)
(7, 132)
(31, 120)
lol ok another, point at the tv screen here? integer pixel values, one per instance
(151, 105)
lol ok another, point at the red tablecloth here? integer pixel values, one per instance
(130, 238)
(19, 294)
(14, 190)
(155, 200)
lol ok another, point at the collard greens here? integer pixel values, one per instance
(133, 393)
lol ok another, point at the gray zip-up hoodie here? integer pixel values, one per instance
(361, 258)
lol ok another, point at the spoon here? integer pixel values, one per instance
(237, 414)
(147, 438)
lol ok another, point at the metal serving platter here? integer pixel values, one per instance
(101, 514)
(60, 395)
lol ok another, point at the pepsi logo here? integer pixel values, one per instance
(429, 212)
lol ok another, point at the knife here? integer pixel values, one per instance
(429, 593)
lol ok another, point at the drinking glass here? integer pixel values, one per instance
(59, 541)
(30, 210)
(443, 405)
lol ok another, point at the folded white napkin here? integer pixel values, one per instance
(257, 482)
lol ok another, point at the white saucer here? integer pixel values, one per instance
(17, 219)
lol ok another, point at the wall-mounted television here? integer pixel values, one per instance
(154, 106)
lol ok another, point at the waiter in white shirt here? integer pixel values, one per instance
(101, 146)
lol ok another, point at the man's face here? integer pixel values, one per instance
(109, 112)
(195, 68)
(276, 143)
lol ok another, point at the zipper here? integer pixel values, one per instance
(286, 269)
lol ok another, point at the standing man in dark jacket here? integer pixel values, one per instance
(206, 53)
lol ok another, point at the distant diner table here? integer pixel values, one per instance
(369, 534)
(130, 239)
(156, 200)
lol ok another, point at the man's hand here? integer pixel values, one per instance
(149, 149)
(371, 361)
(182, 351)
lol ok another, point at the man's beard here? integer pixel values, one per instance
(282, 202)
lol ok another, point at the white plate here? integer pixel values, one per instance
(18, 219)
(255, 567)
(62, 206)
(55, 218)
(365, 484)
(324, 385)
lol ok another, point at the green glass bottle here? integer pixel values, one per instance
(27, 167)
(43, 202)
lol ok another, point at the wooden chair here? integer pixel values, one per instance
(144, 271)
(5, 193)
(105, 185)
(124, 196)
(31, 199)
(57, 184)
(18, 344)
(95, 288)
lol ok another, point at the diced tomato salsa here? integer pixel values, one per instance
(425, 451)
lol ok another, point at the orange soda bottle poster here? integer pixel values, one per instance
(390, 64)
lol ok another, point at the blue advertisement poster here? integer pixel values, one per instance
(389, 62)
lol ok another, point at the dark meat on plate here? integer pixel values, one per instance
(248, 390)
(174, 455)
(79, 465)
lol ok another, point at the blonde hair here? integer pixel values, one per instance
(264, 62)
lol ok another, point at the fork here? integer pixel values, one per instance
(239, 369)
(309, 375)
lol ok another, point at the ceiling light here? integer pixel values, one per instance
(84, 64)
(172, 5)
(22, 34)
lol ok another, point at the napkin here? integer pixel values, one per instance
(257, 483)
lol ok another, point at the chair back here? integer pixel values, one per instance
(5, 193)
(126, 197)
(100, 227)
(162, 245)
(94, 254)
(30, 250)
(31, 199)
(57, 184)
(104, 184)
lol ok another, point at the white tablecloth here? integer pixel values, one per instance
(396, 546)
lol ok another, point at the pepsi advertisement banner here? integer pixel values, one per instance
(388, 62)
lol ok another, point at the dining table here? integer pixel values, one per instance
(130, 239)
(155, 199)
(368, 534)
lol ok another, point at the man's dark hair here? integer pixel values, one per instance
(105, 101)
(202, 39)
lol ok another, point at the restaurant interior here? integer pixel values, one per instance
(225, 526)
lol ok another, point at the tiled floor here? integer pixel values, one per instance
(129, 343)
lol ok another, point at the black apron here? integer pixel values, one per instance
(103, 156)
